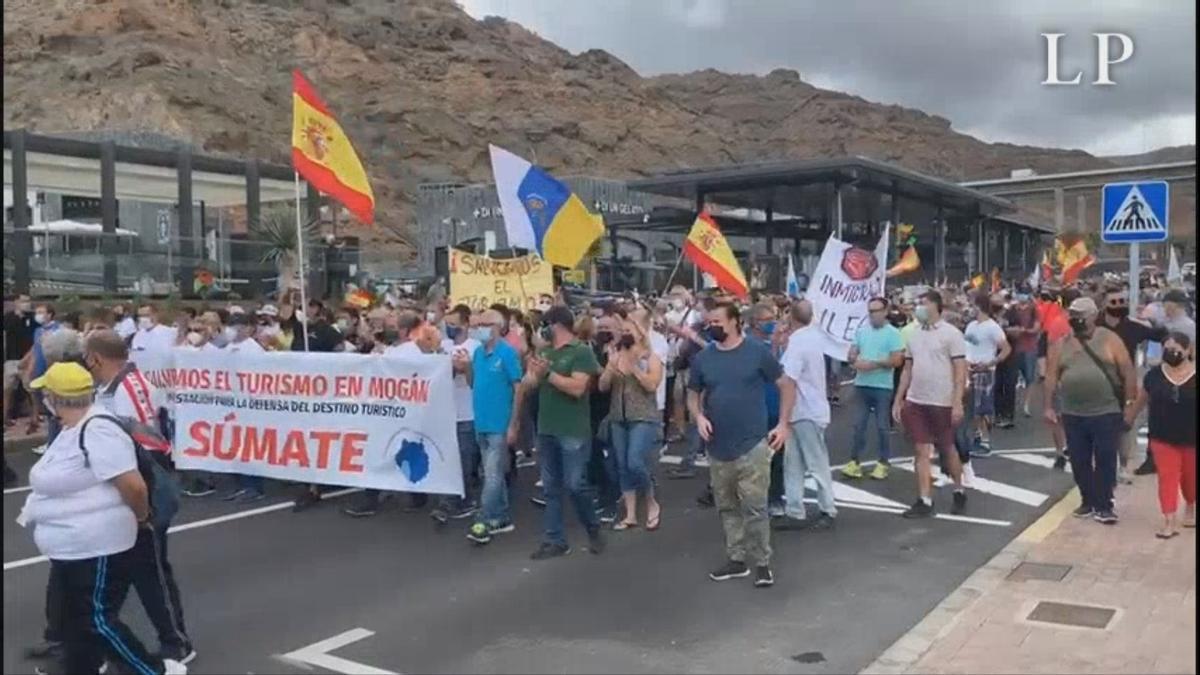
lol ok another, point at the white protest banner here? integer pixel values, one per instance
(845, 280)
(370, 421)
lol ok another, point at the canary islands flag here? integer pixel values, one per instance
(708, 250)
(542, 214)
(322, 153)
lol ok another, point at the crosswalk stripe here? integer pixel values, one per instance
(991, 487)
(1035, 460)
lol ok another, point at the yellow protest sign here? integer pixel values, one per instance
(478, 281)
(574, 277)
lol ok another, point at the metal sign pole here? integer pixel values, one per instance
(1134, 277)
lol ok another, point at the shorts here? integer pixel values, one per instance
(928, 424)
(12, 375)
(983, 387)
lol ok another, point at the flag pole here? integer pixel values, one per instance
(300, 260)
(671, 277)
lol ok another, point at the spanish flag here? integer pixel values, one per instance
(909, 262)
(1047, 266)
(1073, 258)
(323, 155)
(977, 281)
(706, 247)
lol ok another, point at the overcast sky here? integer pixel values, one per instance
(978, 63)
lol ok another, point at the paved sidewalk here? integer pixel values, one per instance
(1151, 584)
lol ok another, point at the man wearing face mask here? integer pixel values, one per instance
(1175, 305)
(461, 347)
(151, 335)
(243, 341)
(876, 353)
(602, 466)
(725, 397)
(44, 317)
(1132, 334)
(495, 375)
(762, 329)
(19, 327)
(1023, 331)
(1095, 377)
(125, 325)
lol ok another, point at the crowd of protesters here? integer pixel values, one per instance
(592, 392)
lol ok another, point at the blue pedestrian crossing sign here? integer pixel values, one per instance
(1134, 212)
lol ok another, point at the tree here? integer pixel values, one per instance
(276, 234)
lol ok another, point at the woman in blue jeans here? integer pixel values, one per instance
(632, 375)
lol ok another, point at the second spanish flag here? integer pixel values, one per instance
(707, 249)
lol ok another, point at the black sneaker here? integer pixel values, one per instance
(1060, 463)
(479, 533)
(679, 473)
(706, 499)
(548, 550)
(1083, 511)
(305, 500)
(184, 654)
(919, 509)
(823, 522)
(1146, 469)
(596, 541)
(199, 490)
(464, 511)
(44, 649)
(981, 450)
(788, 524)
(608, 516)
(359, 511)
(763, 577)
(538, 499)
(1105, 516)
(960, 503)
(734, 569)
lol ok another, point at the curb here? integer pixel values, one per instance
(23, 444)
(904, 654)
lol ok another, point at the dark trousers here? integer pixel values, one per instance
(602, 474)
(93, 591)
(776, 489)
(154, 582)
(1005, 391)
(1094, 442)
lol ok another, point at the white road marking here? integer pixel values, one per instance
(988, 486)
(1035, 460)
(701, 462)
(13, 491)
(25, 562)
(317, 654)
(898, 511)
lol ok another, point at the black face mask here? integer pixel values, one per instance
(717, 333)
(547, 334)
(1117, 312)
(1172, 357)
(603, 337)
(625, 342)
(1079, 325)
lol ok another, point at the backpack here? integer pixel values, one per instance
(162, 489)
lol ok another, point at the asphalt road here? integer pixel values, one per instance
(264, 583)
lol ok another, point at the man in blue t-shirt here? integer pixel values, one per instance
(44, 317)
(877, 351)
(725, 397)
(494, 373)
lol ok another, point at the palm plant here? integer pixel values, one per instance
(276, 234)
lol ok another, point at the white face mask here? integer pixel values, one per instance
(145, 323)
(49, 406)
(269, 330)
(194, 339)
(40, 318)
(431, 317)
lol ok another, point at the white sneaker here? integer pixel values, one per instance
(40, 450)
(538, 484)
(968, 475)
(172, 667)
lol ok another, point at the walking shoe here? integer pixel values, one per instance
(1146, 469)
(538, 499)
(548, 550)
(852, 470)
(173, 667)
(880, 472)
(981, 448)
(1105, 516)
(233, 496)
(608, 516)
(680, 473)
(776, 510)
(39, 450)
(789, 524)
(1123, 476)
(357, 511)
(763, 577)
(184, 654)
(249, 497)
(1083, 511)
(44, 649)
(538, 484)
(823, 522)
(502, 529)
(307, 499)
(199, 489)
(1005, 424)
(734, 569)
(525, 461)
(596, 541)
(439, 516)
(1060, 462)
(706, 499)
(464, 511)
(968, 475)
(1025, 411)
(960, 503)
(919, 509)
(479, 533)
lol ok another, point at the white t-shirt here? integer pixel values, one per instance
(462, 391)
(658, 345)
(75, 510)
(247, 346)
(804, 362)
(983, 340)
(409, 348)
(125, 327)
(158, 337)
(933, 350)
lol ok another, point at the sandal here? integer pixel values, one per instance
(622, 525)
(653, 523)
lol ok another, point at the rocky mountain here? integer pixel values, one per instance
(1175, 153)
(422, 88)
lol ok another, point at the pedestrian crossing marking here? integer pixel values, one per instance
(988, 486)
(1134, 212)
(1035, 460)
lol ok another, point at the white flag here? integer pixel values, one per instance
(793, 284)
(1174, 274)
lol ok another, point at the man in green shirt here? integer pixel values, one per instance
(562, 374)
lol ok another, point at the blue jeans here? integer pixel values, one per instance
(633, 443)
(804, 452)
(691, 446)
(1027, 366)
(872, 400)
(563, 461)
(1094, 442)
(494, 497)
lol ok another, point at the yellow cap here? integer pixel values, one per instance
(65, 379)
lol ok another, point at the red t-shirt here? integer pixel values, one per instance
(1054, 320)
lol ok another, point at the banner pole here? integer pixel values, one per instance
(300, 260)
(671, 277)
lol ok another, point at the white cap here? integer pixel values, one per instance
(235, 309)
(268, 310)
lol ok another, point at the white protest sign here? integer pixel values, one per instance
(845, 280)
(370, 421)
